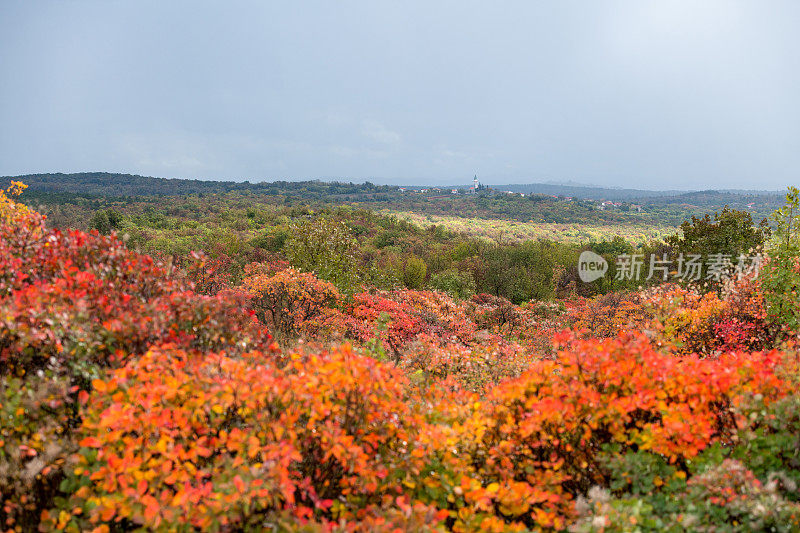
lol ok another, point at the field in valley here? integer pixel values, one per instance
(500, 230)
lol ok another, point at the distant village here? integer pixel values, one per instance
(477, 188)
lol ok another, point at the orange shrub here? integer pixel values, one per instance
(685, 319)
(401, 317)
(177, 439)
(608, 314)
(473, 367)
(538, 438)
(288, 298)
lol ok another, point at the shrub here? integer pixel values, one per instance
(541, 435)
(73, 304)
(288, 299)
(327, 248)
(730, 497)
(473, 367)
(608, 314)
(36, 416)
(177, 439)
(770, 444)
(414, 272)
(780, 282)
(454, 282)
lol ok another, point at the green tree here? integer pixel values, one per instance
(786, 229)
(780, 279)
(730, 231)
(454, 282)
(106, 221)
(414, 272)
(327, 248)
(519, 272)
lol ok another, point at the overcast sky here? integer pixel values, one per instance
(662, 94)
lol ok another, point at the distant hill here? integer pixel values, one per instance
(584, 192)
(114, 184)
(538, 201)
(630, 195)
(108, 184)
(118, 184)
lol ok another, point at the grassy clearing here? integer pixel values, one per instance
(508, 231)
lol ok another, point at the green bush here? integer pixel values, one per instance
(414, 272)
(770, 445)
(726, 497)
(327, 248)
(106, 221)
(455, 283)
(780, 281)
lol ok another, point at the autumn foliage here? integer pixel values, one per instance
(235, 439)
(71, 305)
(137, 394)
(541, 437)
(289, 300)
(683, 320)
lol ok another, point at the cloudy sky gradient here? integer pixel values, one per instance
(661, 94)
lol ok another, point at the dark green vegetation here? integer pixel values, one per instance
(541, 203)
(727, 232)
